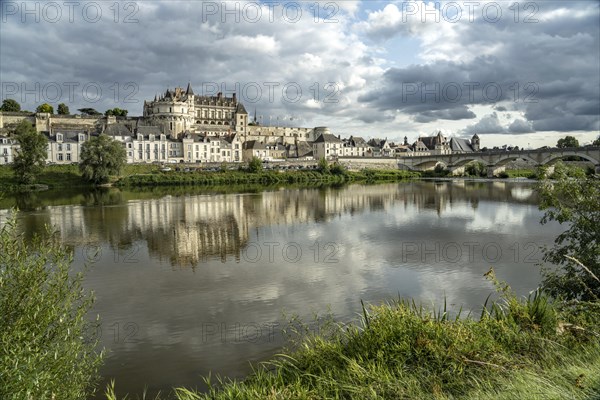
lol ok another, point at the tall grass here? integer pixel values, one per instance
(46, 351)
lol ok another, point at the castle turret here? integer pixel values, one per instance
(475, 144)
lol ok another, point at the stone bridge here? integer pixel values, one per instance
(496, 160)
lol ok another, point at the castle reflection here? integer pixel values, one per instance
(190, 229)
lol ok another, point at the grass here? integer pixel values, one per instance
(403, 351)
(53, 176)
(139, 175)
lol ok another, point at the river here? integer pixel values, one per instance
(189, 283)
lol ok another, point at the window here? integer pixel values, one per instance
(129, 145)
(68, 156)
(5, 151)
(60, 147)
(60, 157)
(59, 136)
(68, 147)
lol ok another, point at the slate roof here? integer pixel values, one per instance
(149, 130)
(461, 145)
(241, 109)
(328, 138)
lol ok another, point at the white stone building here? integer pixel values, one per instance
(64, 147)
(7, 149)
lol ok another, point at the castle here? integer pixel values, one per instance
(182, 127)
(180, 111)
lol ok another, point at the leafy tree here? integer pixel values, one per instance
(567, 141)
(63, 109)
(32, 152)
(88, 111)
(255, 164)
(45, 108)
(476, 168)
(10, 105)
(47, 349)
(596, 142)
(100, 158)
(117, 112)
(572, 198)
(323, 165)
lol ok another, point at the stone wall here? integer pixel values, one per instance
(358, 163)
(9, 120)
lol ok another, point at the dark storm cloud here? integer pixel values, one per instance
(457, 113)
(172, 43)
(520, 126)
(549, 70)
(488, 124)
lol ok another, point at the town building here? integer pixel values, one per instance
(7, 148)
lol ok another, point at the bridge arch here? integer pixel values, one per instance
(426, 164)
(552, 159)
(505, 160)
(467, 159)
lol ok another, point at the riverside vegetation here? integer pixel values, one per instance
(540, 347)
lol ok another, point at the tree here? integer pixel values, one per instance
(567, 141)
(100, 158)
(63, 109)
(32, 153)
(596, 142)
(45, 108)
(323, 165)
(117, 112)
(476, 168)
(47, 345)
(88, 111)
(255, 164)
(10, 105)
(572, 198)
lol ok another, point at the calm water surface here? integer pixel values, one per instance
(192, 283)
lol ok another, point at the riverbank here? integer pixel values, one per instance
(518, 349)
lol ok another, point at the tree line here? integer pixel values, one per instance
(10, 105)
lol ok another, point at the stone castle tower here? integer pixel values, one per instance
(475, 142)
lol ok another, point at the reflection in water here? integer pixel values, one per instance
(192, 283)
(191, 228)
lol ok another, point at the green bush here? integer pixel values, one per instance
(255, 165)
(574, 202)
(323, 166)
(47, 350)
(337, 169)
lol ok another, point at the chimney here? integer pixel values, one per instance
(219, 95)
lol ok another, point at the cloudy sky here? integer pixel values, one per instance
(520, 73)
